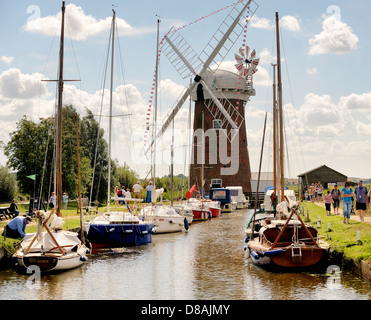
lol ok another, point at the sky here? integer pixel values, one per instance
(326, 71)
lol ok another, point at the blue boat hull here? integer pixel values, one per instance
(119, 235)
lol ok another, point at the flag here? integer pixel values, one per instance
(32, 176)
(190, 192)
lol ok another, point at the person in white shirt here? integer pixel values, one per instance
(137, 190)
(127, 194)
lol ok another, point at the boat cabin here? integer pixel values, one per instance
(238, 196)
(223, 195)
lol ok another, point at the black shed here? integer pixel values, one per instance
(322, 174)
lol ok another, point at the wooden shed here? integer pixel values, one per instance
(322, 174)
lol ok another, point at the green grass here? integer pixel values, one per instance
(343, 237)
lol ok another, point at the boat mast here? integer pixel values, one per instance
(275, 165)
(280, 113)
(59, 118)
(155, 118)
(110, 114)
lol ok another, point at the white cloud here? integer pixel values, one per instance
(356, 102)
(266, 57)
(319, 115)
(14, 84)
(261, 23)
(81, 25)
(290, 23)
(336, 38)
(7, 60)
(312, 71)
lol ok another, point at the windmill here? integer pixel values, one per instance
(215, 98)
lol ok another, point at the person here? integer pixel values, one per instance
(346, 196)
(16, 228)
(13, 209)
(149, 192)
(274, 201)
(137, 190)
(306, 195)
(320, 192)
(335, 194)
(361, 200)
(52, 200)
(127, 194)
(312, 192)
(121, 194)
(328, 200)
(316, 192)
(65, 200)
(116, 190)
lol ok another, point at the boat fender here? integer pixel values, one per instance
(210, 216)
(247, 239)
(254, 255)
(110, 230)
(126, 231)
(153, 230)
(186, 224)
(83, 258)
(87, 250)
(271, 253)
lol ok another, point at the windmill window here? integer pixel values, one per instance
(217, 124)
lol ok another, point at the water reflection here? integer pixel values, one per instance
(206, 263)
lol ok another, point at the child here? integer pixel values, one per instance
(328, 200)
(306, 195)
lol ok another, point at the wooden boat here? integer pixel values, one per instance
(286, 243)
(51, 248)
(280, 237)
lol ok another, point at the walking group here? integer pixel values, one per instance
(347, 195)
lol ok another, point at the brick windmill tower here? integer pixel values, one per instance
(220, 150)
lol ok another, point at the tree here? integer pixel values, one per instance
(8, 185)
(31, 148)
(125, 177)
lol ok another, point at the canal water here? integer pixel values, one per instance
(205, 263)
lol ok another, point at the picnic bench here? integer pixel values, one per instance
(5, 213)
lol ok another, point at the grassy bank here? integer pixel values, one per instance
(343, 237)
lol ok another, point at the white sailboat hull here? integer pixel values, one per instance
(45, 255)
(165, 218)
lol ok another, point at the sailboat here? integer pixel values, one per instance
(116, 228)
(53, 249)
(283, 240)
(166, 218)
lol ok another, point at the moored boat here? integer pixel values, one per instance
(116, 228)
(286, 243)
(238, 197)
(53, 249)
(223, 195)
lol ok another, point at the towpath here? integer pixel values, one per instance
(354, 217)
